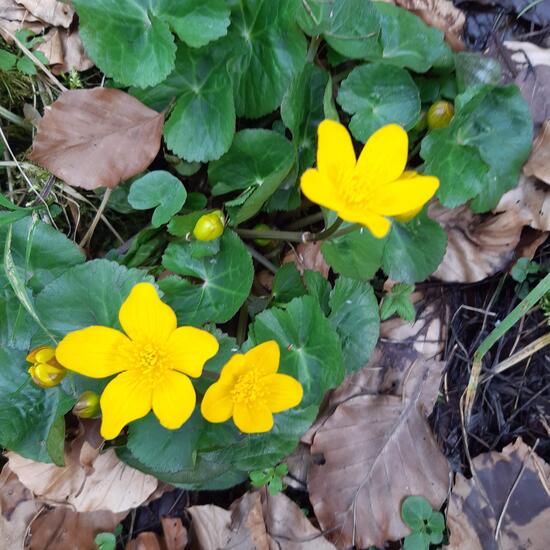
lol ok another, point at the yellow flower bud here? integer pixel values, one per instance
(209, 227)
(440, 114)
(45, 371)
(87, 405)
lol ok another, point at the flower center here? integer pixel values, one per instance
(355, 190)
(249, 387)
(151, 360)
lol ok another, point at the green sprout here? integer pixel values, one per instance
(272, 477)
(427, 526)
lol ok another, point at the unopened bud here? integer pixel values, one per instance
(209, 227)
(87, 405)
(45, 371)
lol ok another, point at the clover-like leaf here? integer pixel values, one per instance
(267, 50)
(158, 189)
(398, 301)
(131, 40)
(416, 511)
(204, 100)
(378, 94)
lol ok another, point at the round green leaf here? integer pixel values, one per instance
(354, 316)
(258, 160)
(414, 250)
(415, 512)
(225, 281)
(378, 94)
(417, 541)
(158, 189)
(267, 51)
(131, 40)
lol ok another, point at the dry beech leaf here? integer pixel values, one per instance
(97, 137)
(64, 50)
(377, 450)
(478, 245)
(442, 15)
(175, 534)
(257, 521)
(538, 164)
(527, 53)
(64, 529)
(146, 541)
(53, 12)
(14, 17)
(512, 487)
(89, 482)
(308, 256)
(534, 84)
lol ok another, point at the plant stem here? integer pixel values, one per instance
(347, 230)
(291, 236)
(97, 217)
(15, 119)
(312, 50)
(326, 233)
(242, 325)
(260, 258)
(308, 220)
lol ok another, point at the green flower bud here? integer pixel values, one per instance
(262, 227)
(440, 114)
(87, 405)
(209, 227)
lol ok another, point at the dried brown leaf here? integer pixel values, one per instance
(527, 53)
(97, 137)
(534, 84)
(538, 164)
(64, 50)
(146, 541)
(175, 534)
(55, 13)
(511, 487)
(377, 450)
(308, 256)
(257, 521)
(14, 17)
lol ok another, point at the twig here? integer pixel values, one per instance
(97, 217)
(15, 119)
(260, 258)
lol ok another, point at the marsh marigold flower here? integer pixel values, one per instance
(154, 359)
(250, 390)
(371, 189)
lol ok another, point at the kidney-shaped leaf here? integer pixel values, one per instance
(97, 137)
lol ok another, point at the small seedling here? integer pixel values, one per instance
(427, 526)
(272, 477)
(524, 272)
(398, 301)
(107, 541)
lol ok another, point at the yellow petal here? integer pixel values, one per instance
(320, 190)
(125, 398)
(236, 366)
(144, 317)
(265, 357)
(252, 417)
(174, 399)
(335, 154)
(283, 392)
(408, 216)
(189, 348)
(376, 224)
(403, 196)
(384, 156)
(96, 352)
(217, 404)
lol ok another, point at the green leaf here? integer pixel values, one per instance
(28, 413)
(16, 325)
(318, 287)
(414, 249)
(275, 486)
(281, 470)
(287, 284)
(354, 316)
(398, 300)
(357, 255)
(86, 295)
(181, 226)
(260, 477)
(158, 189)
(480, 154)
(131, 40)
(408, 42)
(7, 60)
(415, 512)
(351, 27)
(105, 541)
(26, 66)
(258, 159)
(473, 68)
(522, 268)
(201, 125)
(436, 524)
(267, 50)
(417, 541)
(225, 281)
(378, 94)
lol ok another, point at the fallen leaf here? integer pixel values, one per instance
(14, 17)
(506, 506)
(65, 529)
(538, 164)
(377, 450)
(534, 84)
(256, 521)
(97, 137)
(307, 256)
(91, 481)
(55, 13)
(478, 245)
(442, 15)
(527, 53)
(145, 541)
(175, 534)
(64, 50)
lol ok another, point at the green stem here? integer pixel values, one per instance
(326, 233)
(291, 236)
(16, 119)
(312, 50)
(308, 220)
(350, 229)
(242, 325)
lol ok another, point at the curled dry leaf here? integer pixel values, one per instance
(308, 256)
(175, 534)
(97, 137)
(377, 450)
(64, 50)
(58, 14)
(90, 481)
(507, 507)
(534, 84)
(527, 53)
(538, 164)
(256, 521)
(13, 17)
(145, 541)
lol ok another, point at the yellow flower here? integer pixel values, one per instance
(250, 390)
(371, 189)
(153, 359)
(45, 371)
